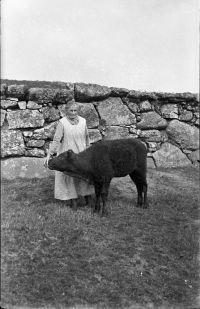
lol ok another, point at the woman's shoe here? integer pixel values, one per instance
(88, 200)
(74, 204)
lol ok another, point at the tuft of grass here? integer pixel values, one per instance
(131, 258)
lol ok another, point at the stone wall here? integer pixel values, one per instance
(168, 123)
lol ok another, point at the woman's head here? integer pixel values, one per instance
(72, 109)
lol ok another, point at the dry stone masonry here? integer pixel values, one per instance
(168, 123)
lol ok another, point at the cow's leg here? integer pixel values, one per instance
(98, 188)
(135, 179)
(145, 187)
(141, 185)
(139, 192)
(104, 195)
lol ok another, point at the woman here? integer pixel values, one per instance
(71, 133)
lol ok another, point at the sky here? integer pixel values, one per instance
(146, 45)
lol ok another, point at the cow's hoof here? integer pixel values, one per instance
(103, 214)
(68, 204)
(88, 206)
(94, 211)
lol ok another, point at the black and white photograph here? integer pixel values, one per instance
(100, 154)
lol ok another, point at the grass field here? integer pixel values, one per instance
(54, 257)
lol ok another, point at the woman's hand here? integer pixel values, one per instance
(47, 160)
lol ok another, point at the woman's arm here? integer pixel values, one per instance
(53, 148)
(87, 139)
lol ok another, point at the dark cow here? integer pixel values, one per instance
(104, 160)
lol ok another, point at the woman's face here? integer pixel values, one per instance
(72, 111)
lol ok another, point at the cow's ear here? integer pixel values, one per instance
(70, 154)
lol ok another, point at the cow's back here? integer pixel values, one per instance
(117, 158)
(127, 155)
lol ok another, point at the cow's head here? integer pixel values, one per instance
(65, 162)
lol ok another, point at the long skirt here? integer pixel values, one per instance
(67, 187)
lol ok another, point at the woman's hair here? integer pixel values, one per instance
(70, 104)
